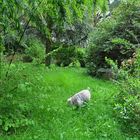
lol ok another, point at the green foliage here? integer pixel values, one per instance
(70, 55)
(116, 38)
(127, 101)
(34, 98)
(65, 56)
(11, 13)
(1, 46)
(14, 108)
(17, 97)
(46, 18)
(127, 105)
(81, 55)
(36, 50)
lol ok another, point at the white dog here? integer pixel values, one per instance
(79, 98)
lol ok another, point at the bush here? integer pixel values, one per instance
(35, 51)
(65, 56)
(18, 97)
(80, 56)
(127, 105)
(69, 55)
(116, 37)
(127, 101)
(14, 107)
(1, 45)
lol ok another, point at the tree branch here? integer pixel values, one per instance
(34, 8)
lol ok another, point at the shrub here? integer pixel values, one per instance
(14, 107)
(127, 101)
(116, 37)
(18, 97)
(1, 45)
(65, 56)
(127, 105)
(69, 55)
(80, 56)
(35, 51)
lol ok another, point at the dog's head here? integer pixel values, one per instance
(69, 101)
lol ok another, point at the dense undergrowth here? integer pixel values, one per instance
(41, 99)
(127, 101)
(117, 38)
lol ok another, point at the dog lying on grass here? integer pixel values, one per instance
(80, 98)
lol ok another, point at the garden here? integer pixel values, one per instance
(52, 49)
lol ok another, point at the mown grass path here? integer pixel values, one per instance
(55, 120)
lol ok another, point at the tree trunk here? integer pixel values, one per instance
(48, 44)
(47, 50)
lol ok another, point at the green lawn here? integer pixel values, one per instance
(55, 120)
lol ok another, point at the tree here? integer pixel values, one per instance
(48, 17)
(54, 16)
(116, 38)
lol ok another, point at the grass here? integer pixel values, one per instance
(55, 120)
